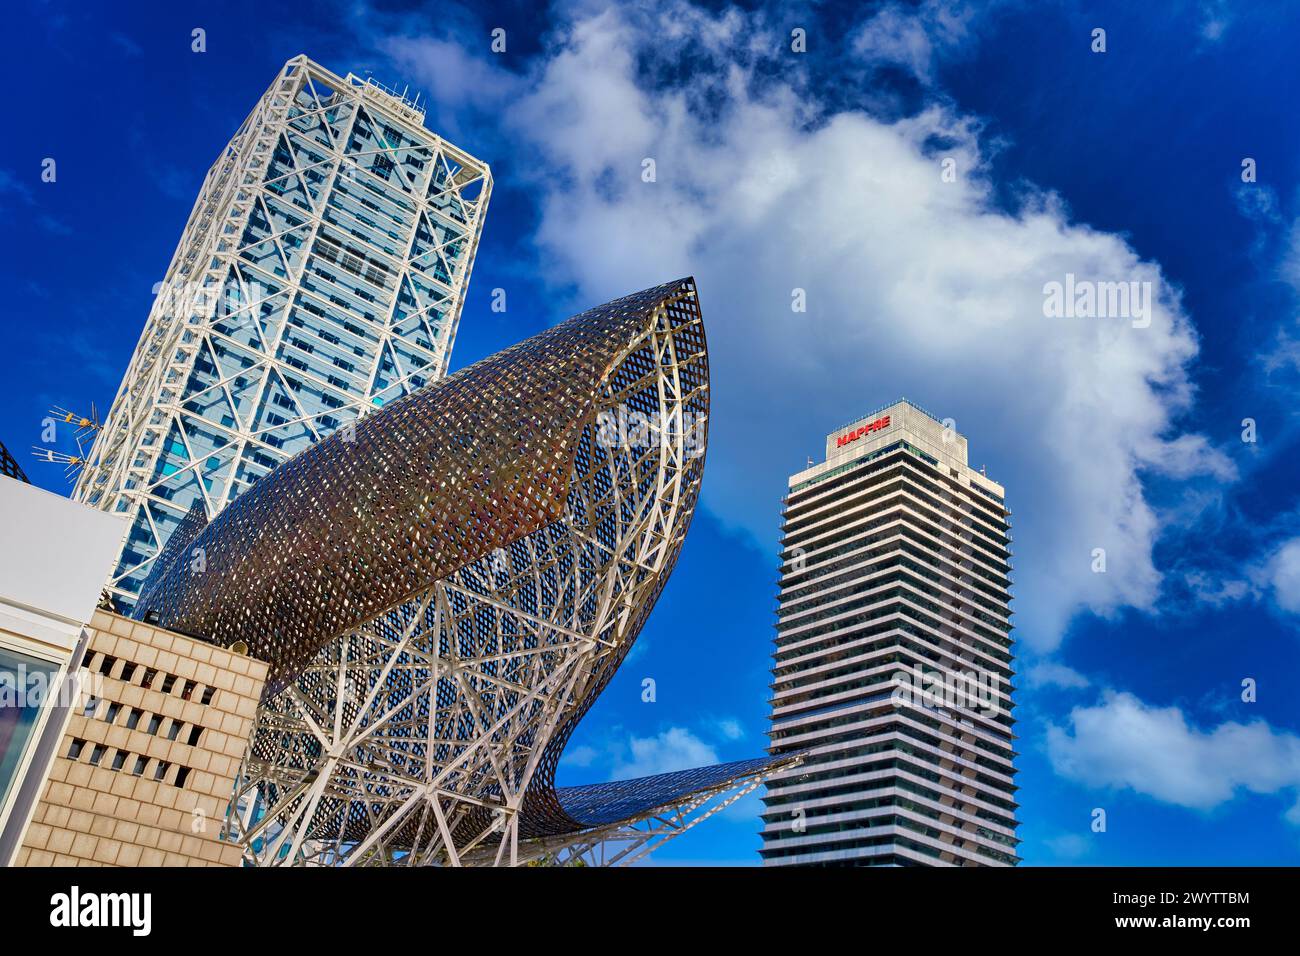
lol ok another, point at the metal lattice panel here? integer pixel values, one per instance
(10, 467)
(601, 804)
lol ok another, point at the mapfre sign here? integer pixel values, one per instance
(858, 432)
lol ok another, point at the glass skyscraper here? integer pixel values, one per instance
(893, 656)
(321, 274)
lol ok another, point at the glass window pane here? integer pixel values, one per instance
(25, 687)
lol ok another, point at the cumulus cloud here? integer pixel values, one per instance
(1124, 743)
(915, 286)
(614, 755)
(673, 749)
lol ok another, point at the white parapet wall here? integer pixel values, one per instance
(56, 556)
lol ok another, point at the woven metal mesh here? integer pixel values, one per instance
(370, 517)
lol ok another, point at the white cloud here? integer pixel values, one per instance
(1188, 455)
(1216, 17)
(1069, 846)
(1123, 742)
(1274, 575)
(1257, 202)
(1283, 576)
(1053, 674)
(915, 287)
(729, 728)
(673, 749)
(452, 73)
(1216, 591)
(1284, 355)
(579, 756)
(914, 36)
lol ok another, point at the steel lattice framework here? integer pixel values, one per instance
(444, 593)
(10, 467)
(320, 276)
(625, 821)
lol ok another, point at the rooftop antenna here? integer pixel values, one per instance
(87, 429)
(72, 463)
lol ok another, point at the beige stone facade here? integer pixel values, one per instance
(145, 770)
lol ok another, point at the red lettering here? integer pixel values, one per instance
(875, 426)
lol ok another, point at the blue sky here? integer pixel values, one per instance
(821, 171)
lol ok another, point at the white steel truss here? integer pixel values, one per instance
(629, 841)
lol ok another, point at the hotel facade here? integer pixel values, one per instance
(893, 655)
(321, 276)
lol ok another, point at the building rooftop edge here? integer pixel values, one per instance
(880, 408)
(404, 108)
(829, 464)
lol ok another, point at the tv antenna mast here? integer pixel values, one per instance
(86, 430)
